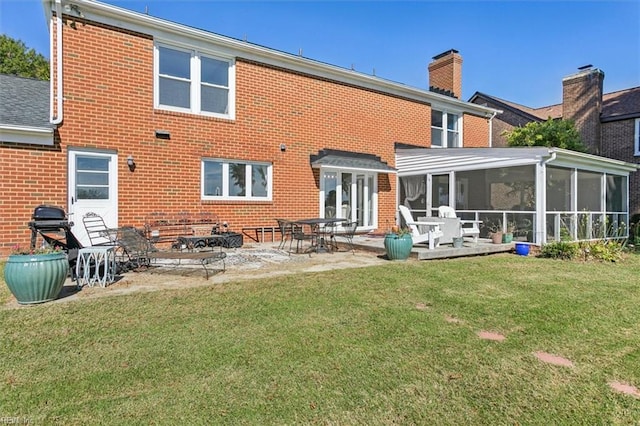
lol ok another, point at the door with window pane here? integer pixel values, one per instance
(93, 181)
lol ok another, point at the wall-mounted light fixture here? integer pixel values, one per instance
(131, 163)
(283, 147)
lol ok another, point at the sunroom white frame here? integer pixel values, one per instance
(429, 162)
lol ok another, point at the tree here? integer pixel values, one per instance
(17, 59)
(554, 133)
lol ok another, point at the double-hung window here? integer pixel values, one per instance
(636, 140)
(236, 180)
(445, 129)
(195, 82)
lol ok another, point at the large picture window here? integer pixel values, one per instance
(224, 179)
(191, 81)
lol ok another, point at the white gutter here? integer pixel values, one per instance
(26, 134)
(56, 119)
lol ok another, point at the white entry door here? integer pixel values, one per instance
(93, 187)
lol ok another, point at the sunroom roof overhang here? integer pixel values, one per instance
(414, 161)
(334, 159)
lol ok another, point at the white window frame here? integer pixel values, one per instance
(195, 80)
(444, 131)
(373, 201)
(636, 140)
(225, 180)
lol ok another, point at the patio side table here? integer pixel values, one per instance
(96, 264)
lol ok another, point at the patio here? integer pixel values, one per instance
(262, 260)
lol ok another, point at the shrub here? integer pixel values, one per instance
(603, 250)
(607, 251)
(560, 250)
(634, 231)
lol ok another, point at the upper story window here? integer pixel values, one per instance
(230, 179)
(191, 81)
(637, 138)
(445, 129)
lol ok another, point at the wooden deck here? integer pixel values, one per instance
(421, 252)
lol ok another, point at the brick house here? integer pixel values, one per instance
(150, 115)
(609, 123)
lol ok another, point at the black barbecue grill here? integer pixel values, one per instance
(52, 224)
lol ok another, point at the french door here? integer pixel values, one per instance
(349, 195)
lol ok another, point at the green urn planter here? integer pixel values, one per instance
(507, 237)
(398, 246)
(36, 278)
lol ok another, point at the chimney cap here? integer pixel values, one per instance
(585, 67)
(443, 54)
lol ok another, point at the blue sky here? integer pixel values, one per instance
(515, 50)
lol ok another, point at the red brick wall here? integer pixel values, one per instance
(475, 131)
(108, 90)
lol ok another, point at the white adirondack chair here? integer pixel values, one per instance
(468, 228)
(432, 234)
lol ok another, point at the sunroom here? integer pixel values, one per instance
(540, 194)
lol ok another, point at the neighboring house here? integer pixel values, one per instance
(609, 123)
(211, 123)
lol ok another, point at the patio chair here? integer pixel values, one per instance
(285, 231)
(432, 234)
(97, 231)
(468, 228)
(348, 231)
(130, 246)
(299, 235)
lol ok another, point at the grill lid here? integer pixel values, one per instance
(45, 212)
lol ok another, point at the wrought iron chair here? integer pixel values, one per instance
(299, 235)
(285, 231)
(131, 247)
(97, 231)
(347, 233)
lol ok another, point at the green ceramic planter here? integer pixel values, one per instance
(507, 237)
(398, 247)
(36, 278)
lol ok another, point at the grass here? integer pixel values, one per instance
(363, 346)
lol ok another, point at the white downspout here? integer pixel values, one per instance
(541, 201)
(491, 128)
(53, 119)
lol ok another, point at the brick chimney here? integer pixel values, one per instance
(582, 103)
(445, 73)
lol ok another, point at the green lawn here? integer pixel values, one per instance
(392, 344)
